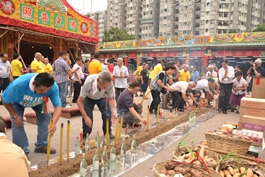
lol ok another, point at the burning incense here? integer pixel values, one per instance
(146, 95)
(120, 129)
(148, 118)
(61, 144)
(157, 114)
(68, 140)
(107, 132)
(116, 133)
(49, 143)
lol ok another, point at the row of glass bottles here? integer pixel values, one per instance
(87, 143)
(192, 119)
(106, 169)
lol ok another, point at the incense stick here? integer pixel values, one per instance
(61, 144)
(49, 143)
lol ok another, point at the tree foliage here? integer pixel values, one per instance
(260, 28)
(232, 31)
(115, 34)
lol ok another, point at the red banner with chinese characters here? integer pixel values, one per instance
(234, 53)
(57, 18)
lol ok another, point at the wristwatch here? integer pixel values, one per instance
(14, 117)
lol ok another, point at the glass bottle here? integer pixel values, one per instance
(87, 143)
(97, 143)
(123, 153)
(83, 166)
(104, 162)
(133, 151)
(95, 171)
(77, 146)
(113, 160)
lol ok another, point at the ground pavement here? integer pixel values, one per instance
(145, 167)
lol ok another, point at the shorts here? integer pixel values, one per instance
(144, 87)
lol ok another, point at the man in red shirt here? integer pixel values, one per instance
(111, 67)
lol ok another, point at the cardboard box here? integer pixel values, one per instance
(252, 123)
(256, 103)
(252, 112)
(258, 87)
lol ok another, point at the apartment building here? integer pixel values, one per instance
(151, 18)
(101, 18)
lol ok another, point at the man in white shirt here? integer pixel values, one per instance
(211, 72)
(178, 93)
(5, 72)
(204, 85)
(78, 76)
(226, 76)
(121, 73)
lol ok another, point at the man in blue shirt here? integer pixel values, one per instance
(194, 75)
(31, 90)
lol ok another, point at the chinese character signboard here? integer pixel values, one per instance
(59, 21)
(72, 24)
(44, 18)
(26, 12)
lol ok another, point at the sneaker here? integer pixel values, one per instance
(237, 112)
(136, 95)
(141, 95)
(44, 150)
(67, 106)
(232, 109)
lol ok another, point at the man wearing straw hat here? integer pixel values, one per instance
(31, 90)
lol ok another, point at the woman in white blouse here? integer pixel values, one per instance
(238, 91)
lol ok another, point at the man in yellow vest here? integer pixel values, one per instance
(37, 65)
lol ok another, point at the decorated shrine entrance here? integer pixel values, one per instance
(50, 26)
(28, 49)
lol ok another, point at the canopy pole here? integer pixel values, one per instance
(3, 34)
(86, 48)
(18, 42)
(69, 50)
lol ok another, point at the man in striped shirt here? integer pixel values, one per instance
(62, 72)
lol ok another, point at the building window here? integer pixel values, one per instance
(206, 30)
(207, 21)
(207, 12)
(147, 13)
(146, 27)
(151, 12)
(165, 10)
(185, 7)
(185, 15)
(184, 32)
(208, 4)
(185, 23)
(165, 18)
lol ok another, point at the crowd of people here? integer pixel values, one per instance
(112, 88)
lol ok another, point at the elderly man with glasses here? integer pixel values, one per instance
(94, 91)
(126, 106)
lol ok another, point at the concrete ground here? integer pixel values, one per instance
(145, 167)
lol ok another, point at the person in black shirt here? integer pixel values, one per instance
(144, 79)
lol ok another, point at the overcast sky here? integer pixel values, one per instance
(97, 5)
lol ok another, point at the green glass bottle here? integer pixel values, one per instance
(87, 143)
(77, 146)
(113, 156)
(123, 153)
(97, 141)
(83, 167)
(133, 151)
(95, 165)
